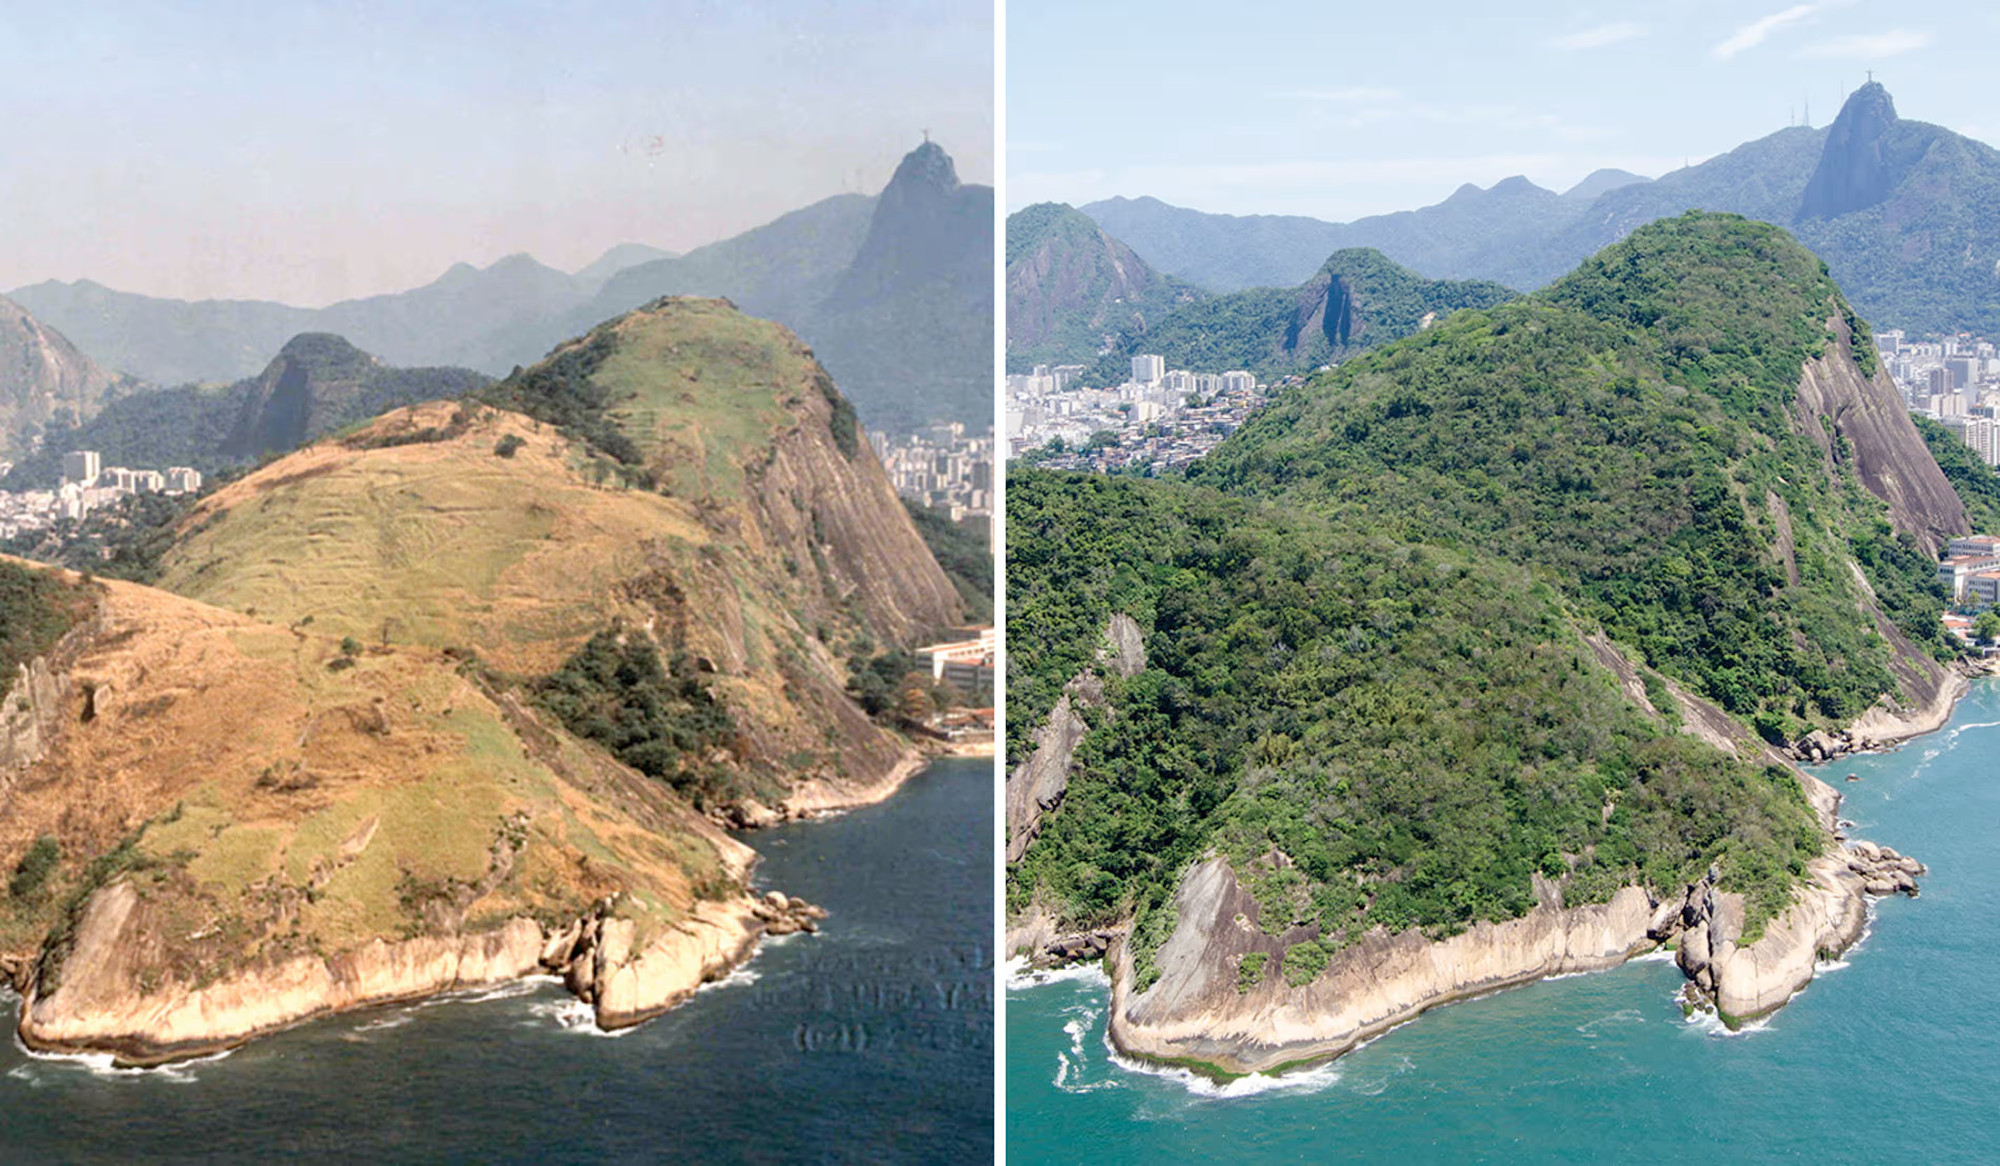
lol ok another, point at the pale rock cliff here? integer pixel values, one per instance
(1036, 786)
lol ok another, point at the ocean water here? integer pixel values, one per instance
(1893, 1054)
(872, 1041)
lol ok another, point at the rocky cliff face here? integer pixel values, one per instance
(1036, 786)
(281, 407)
(42, 373)
(1744, 981)
(1325, 308)
(908, 327)
(1836, 400)
(1196, 1010)
(1201, 1008)
(1857, 169)
(1072, 288)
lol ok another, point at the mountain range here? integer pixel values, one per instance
(894, 291)
(1075, 294)
(1906, 215)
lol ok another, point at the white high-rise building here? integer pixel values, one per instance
(1233, 382)
(82, 467)
(1147, 370)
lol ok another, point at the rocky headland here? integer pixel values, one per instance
(319, 768)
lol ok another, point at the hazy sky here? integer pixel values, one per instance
(1340, 110)
(307, 152)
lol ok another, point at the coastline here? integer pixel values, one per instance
(600, 958)
(95, 1014)
(1274, 1027)
(815, 796)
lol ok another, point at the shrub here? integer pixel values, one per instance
(35, 867)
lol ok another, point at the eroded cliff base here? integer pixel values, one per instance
(1205, 1013)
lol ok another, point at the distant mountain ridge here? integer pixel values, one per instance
(317, 384)
(894, 291)
(1906, 214)
(1357, 299)
(43, 374)
(1072, 288)
(447, 321)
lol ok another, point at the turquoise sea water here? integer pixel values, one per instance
(870, 1042)
(1891, 1055)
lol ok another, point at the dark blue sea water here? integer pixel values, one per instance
(1894, 1055)
(872, 1041)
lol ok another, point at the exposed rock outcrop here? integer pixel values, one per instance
(42, 373)
(1204, 1009)
(1856, 170)
(95, 998)
(1197, 1011)
(1745, 981)
(1036, 786)
(1834, 400)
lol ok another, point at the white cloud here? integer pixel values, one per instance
(1752, 35)
(1601, 36)
(1867, 46)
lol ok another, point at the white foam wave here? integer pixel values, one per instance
(1706, 1022)
(1298, 1081)
(572, 1016)
(1020, 975)
(104, 1065)
(742, 976)
(383, 1023)
(1659, 955)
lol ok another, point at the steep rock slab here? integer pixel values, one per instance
(1196, 1010)
(1035, 787)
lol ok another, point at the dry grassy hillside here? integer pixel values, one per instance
(751, 533)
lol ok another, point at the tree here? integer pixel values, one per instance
(916, 702)
(1987, 626)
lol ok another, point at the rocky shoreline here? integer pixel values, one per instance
(96, 1009)
(816, 796)
(1198, 1015)
(628, 966)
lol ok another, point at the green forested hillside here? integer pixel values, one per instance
(1417, 731)
(1975, 481)
(1365, 612)
(1626, 430)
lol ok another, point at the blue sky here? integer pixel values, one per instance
(1340, 110)
(310, 151)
